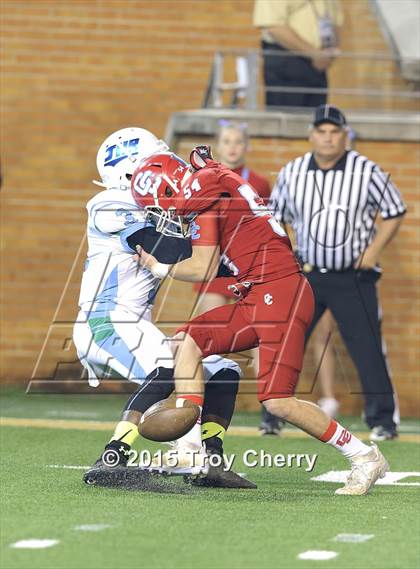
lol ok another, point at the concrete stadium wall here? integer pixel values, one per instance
(73, 73)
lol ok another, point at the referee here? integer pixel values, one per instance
(332, 199)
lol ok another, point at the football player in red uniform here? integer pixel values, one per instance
(275, 302)
(232, 146)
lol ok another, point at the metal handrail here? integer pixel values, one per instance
(369, 55)
(346, 91)
(217, 85)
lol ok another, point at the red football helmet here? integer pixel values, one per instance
(156, 186)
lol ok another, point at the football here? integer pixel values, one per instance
(168, 420)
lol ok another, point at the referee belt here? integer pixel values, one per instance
(308, 268)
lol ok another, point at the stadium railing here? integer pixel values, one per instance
(246, 88)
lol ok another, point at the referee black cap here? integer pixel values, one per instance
(329, 114)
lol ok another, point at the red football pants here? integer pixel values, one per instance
(274, 316)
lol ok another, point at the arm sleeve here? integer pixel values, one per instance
(268, 13)
(278, 204)
(205, 229)
(338, 13)
(168, 250)
(383, 195)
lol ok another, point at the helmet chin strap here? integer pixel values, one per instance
(102, 185)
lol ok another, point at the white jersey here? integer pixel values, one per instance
(113, 334)
(112, 278)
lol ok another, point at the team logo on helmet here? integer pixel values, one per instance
(118, 152)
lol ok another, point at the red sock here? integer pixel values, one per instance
(197, 399)
(329, 433)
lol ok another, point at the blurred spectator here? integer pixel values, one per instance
(290, 28)
(231, 147)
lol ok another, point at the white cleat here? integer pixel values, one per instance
(365, 471)
(180, 460)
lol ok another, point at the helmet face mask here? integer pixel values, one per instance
(167, 222)
(120, 154)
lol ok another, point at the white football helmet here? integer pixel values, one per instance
(120, 153)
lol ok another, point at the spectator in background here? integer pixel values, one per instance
(303, 38)
(231, 147)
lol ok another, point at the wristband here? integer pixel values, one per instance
(160, 270)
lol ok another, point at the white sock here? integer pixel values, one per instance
(344, 441)
(193, 437)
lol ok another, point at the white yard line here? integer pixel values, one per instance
(92, 527)
(390, 478)
(68, 466)
(315, 555)
(353, 537)
(34, 543)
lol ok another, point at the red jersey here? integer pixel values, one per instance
(252, 244)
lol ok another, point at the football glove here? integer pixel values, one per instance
(200, 155)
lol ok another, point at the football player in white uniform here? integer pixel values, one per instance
(114, 335)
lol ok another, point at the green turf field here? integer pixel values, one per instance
(191, 527)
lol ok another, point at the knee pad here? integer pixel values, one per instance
(158, 385)
(220, 395)
(212, 365)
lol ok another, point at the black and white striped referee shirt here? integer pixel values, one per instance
(333, 211)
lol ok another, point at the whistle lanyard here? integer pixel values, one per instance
(326, 26)
(245, 173)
